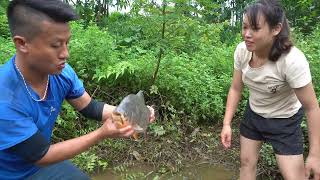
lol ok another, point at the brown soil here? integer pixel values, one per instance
(175, 149)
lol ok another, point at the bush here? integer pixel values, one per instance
(4, 27)
(6, 49)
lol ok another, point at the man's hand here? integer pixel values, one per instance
(110, 130)
(313, 165)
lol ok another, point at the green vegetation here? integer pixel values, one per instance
(182, 57)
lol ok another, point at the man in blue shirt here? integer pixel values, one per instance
(33, 84)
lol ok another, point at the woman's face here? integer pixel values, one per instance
(258, 39)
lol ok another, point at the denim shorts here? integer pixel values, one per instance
(64, 170)
(284, 134)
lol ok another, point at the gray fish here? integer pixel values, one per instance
(133, 109)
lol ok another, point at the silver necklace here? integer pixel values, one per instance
(25, 84)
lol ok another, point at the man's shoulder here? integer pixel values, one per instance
(68, 70)
(7, 73)
(68, 75)
(68, 80)
(6, 70)
(8, 81)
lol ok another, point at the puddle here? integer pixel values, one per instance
(201, 171)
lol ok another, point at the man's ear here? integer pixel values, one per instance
(20, 43)
(277, 29)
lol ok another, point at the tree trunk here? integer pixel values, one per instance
(161, 52)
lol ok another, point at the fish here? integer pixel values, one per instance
(132, 110)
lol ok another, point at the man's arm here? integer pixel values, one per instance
(70, 148)
(91, 108)
(36, 149)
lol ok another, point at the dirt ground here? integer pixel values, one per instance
(175, 150)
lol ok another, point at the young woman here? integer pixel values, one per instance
(279, 81)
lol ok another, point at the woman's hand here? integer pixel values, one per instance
(226, 134)
(313, 166)
(152, 117)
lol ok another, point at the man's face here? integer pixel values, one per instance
(48, 51)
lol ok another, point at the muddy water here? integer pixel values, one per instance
(200, 171)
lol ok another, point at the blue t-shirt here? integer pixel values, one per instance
(21, 116)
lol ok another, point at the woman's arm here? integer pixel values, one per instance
(233, 99)
(308, 99)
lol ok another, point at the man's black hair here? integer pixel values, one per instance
(25, 16)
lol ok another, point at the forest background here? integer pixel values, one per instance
(180, 52)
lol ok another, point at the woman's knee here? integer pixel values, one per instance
(248, 162)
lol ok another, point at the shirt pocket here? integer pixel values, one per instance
(274, 85)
